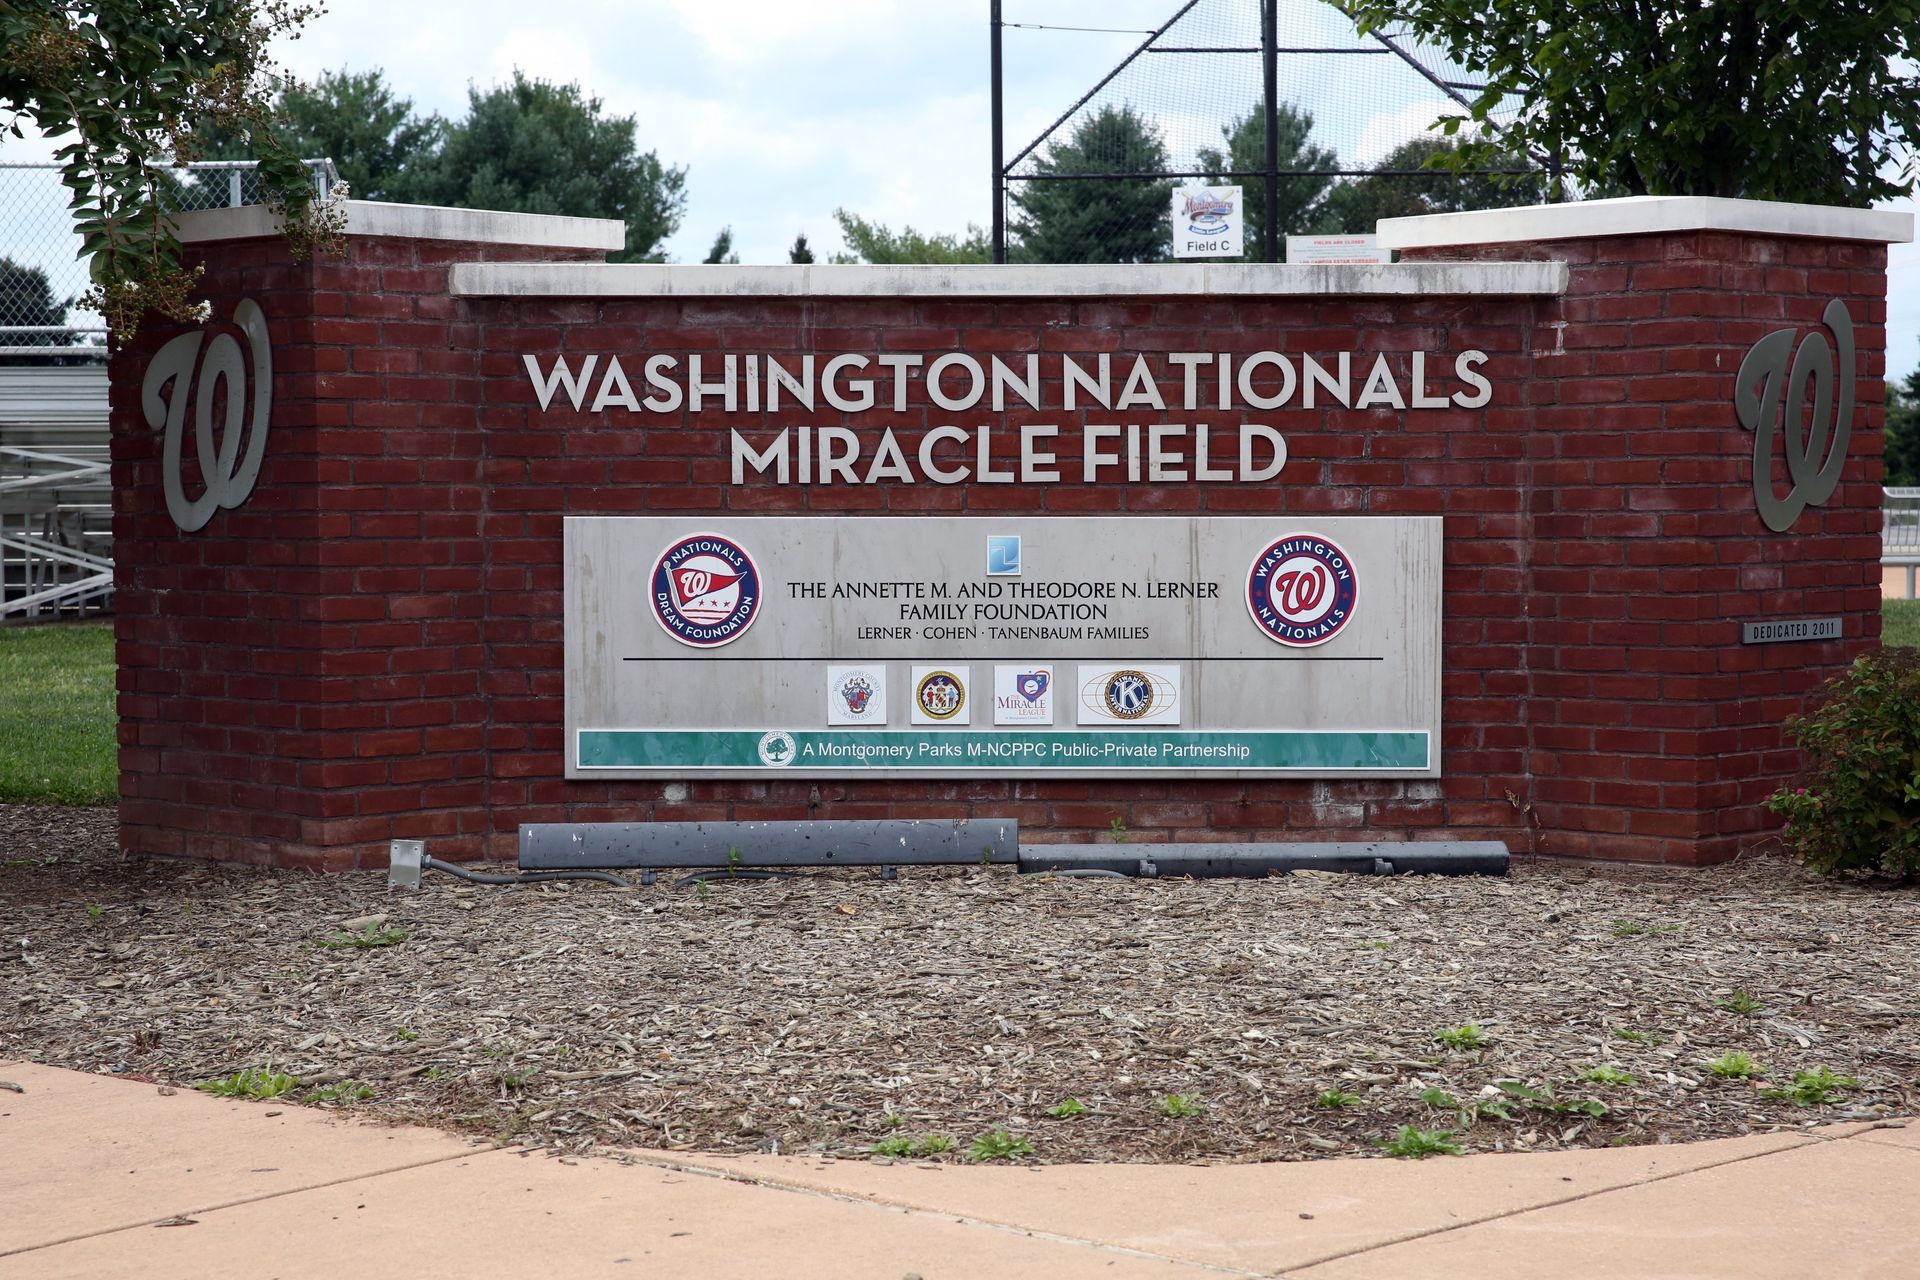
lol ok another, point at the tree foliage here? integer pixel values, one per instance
(1299, 201)
(1356, 207)
(539, 147)
(1095, 219)
(355, 119)
(722, 251)
(27, 300)
(1856, 805)
(1804, 100)
(801, 252)
(121, 85)
(1903, 431)
(876, 243)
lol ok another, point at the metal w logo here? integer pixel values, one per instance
(1816, 447)
(227, 474)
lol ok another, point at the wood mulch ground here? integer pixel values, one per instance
(834, 1012)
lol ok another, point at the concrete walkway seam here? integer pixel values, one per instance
(233, 1204)
(1807, 1140)
(966, 1220)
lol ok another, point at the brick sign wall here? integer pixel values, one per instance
(369, 644)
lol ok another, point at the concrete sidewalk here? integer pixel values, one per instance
(101, 1177)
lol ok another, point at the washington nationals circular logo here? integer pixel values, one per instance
(705, 590)
(1301, 590)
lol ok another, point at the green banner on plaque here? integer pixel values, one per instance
(810, 749)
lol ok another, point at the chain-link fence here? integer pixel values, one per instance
(1352, 134)
(42, 275)
(56, 530)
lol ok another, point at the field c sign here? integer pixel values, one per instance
(228, 476)
(1816, 449)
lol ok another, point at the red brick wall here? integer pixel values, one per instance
(370, 647)
(1653, 732)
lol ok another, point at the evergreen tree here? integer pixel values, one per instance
(539, 147)
(1094, 219)
(801, 252)
(1903, 431)
(26, 299)
(1354, 208)
(876, 243)
(1299, 201)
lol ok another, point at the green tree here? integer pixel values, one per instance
(876, 243)
(1903, 431)
(26, 300)
(1299, 202)
(722, 250)
(1354, 208)
(801, 252)
(354, 119)
(538, 147)
(1806, 100)
(1093, 219)
(123, 85)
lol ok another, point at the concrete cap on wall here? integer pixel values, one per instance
(1644, 215)
(840, 280)
(415, 222)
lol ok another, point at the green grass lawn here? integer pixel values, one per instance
(56, 714)
(1900, 622)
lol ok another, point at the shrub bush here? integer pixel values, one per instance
(1856, 804)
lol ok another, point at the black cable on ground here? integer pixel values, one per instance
(530, 877)
(721, 874)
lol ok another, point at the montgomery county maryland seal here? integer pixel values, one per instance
(1302, 590)
(705, 590)
(856, 695)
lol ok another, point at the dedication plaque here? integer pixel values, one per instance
(1032, 646)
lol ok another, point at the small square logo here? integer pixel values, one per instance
(1023, 694)
(1003, 555)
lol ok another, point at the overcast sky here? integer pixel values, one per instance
(783, 110)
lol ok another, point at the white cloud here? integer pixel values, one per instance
(1387, 130)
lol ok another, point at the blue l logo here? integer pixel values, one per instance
(1003, 555)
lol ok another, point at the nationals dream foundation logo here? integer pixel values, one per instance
(705, 590)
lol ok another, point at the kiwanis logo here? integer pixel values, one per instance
(1301, 590)
(1148, 693)
(705, 590)
(1128, 695)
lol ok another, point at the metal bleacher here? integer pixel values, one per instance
(56, 501)
(1900, 532)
